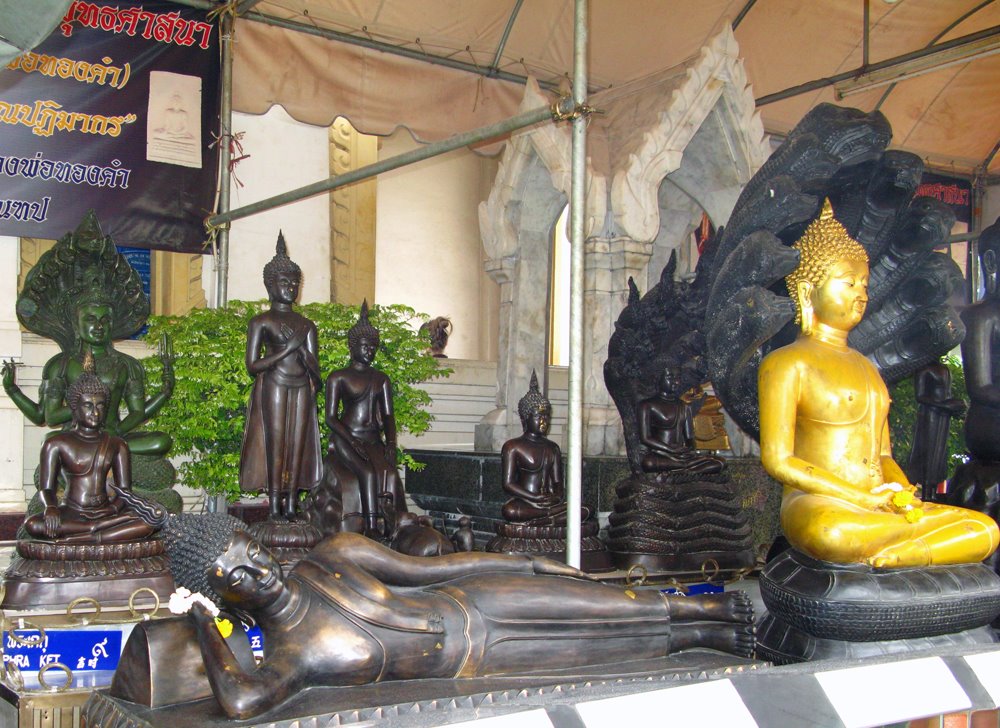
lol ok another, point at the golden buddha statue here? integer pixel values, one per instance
(824, 430)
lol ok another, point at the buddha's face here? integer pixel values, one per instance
(539, 421)
(670, 381)
(246, 575)
(284, 288)
(840, 300)
(91, 409)
(363, 351)
(93, 323)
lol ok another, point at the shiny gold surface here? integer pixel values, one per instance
(824, 431)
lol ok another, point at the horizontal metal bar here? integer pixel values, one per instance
(563, 107)
(887, 63)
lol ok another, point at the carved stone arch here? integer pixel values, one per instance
(517, 234)
(517, 224)
(706, 139)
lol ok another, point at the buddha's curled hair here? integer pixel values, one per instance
(194, 542)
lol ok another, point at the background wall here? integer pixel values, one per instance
(283, 154)
(428, 253)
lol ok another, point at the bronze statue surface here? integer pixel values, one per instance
(354, 612)
(980, 357)
(84, 294)
(99, 540)
(534, 517)
(94, 509)
(359, 413)
(531, 467)
(281, 446)
(666, 430)
(928, 462)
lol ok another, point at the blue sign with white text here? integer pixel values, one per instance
(79, 650)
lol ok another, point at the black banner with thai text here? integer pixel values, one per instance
(115, 111)
(954, 192)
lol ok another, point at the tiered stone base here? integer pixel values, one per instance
(550, 541)
(48, 574)
(819, 610)
(680, 522)
(289, 541)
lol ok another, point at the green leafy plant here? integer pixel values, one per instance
(207, 411)
(903, 416)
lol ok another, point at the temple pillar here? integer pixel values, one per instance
(523, 337)
(608, 264)
(11, 419)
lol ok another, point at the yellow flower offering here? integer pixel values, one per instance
(914, 514)
(225, 626)
(902, 499)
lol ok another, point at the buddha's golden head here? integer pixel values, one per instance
(824, 249)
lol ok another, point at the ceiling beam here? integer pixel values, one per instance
(743, 13)
(495, 66)
(965, 40)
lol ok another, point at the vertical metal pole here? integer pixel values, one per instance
(225, 156)
(976, 224)
(574, 484)
(215, 504)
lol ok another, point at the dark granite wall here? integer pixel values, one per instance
(452, 484)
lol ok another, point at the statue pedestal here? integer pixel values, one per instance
(680, 522)
(289, 541)
(818, 610)
(550, 541)
(47, 574)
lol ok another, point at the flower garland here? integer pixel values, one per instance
(902, 500)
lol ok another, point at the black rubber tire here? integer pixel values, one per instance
(783, 644)
(860, 604)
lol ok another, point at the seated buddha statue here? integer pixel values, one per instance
(86, 454)
(532, 467)
(824, 432)
(666, 429)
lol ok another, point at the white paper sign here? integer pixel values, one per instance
(709, 703)
(527, 719)
(893, 692)
(987, 669)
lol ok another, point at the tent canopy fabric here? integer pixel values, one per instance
(951, 117)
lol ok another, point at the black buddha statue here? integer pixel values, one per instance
(534, 517)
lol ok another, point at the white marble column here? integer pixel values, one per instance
(11, 420)
(523, 339)
(608, 264)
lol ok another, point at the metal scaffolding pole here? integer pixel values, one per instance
(225, 158)
(215, 504)
(574, 470)
(558, 110)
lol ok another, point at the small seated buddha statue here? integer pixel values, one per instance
(824, 432)
(666, 429)
(532, 467)
(86, 454)
(535, 515)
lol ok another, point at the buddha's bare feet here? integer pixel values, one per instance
(734, 607)
(733, 639)
(907, 554)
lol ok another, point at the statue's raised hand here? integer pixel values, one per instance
(294, 338)
(7, 372)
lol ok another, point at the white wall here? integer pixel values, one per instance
(428, 251)
(991, 205)
(284, 155)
